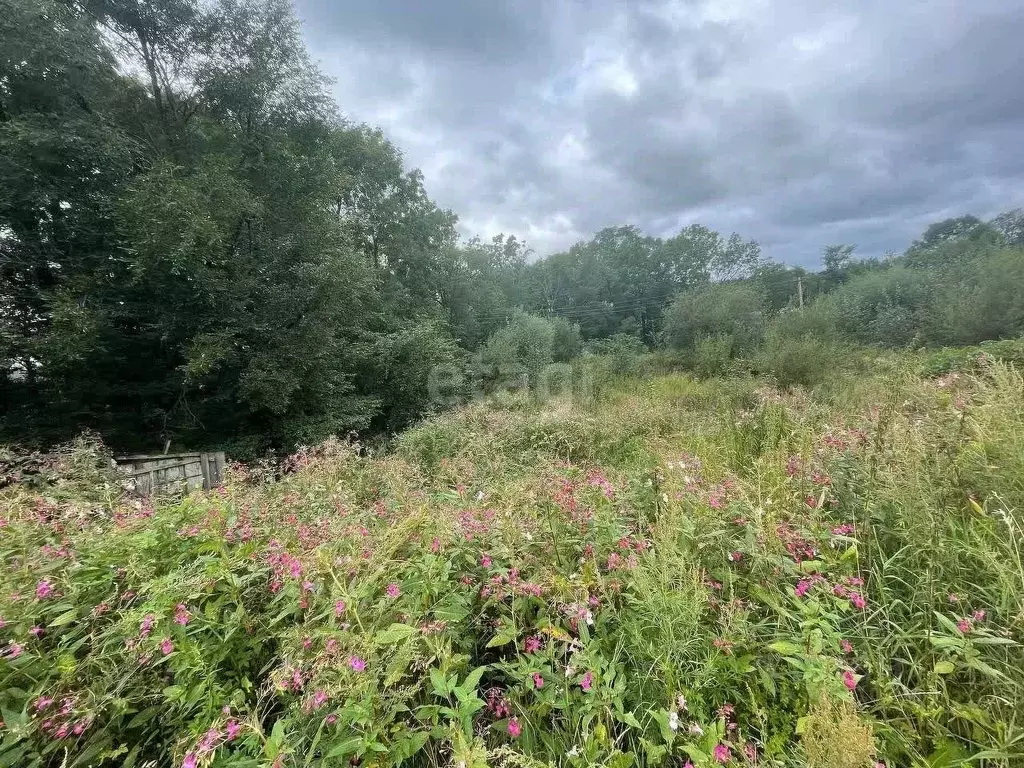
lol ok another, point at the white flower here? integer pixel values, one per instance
(528, 536)
(681, 702)
(664, 498)
(574, 751)
(696, 730)
(479, 495)
(590, 619)
(673, 721)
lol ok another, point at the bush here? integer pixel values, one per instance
(567, 342)
(713, 355)
(516, 354)
(718, 309)
(972, 359)
(801, 360)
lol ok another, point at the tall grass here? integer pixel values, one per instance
(670, 571)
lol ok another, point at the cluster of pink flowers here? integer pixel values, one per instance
(966, 625)
(357, 664)
(532, 644)
(181, 615)
(597, 480)
(587, 682)
(798, 547)
(44, 589)
(497, 704)
(64, 721)
(283, 563)
(474, 522)
(500, 586)
(843, 530)
(849, 680)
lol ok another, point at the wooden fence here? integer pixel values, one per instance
(174, 472)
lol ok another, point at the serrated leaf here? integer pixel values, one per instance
(473, 678)
(396, 633)
(504, 637)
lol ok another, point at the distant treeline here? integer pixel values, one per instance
(195, 246)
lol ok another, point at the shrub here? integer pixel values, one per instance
(712, 355)
(802, 360)
(718, 309)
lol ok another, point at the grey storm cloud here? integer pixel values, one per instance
(794, 122)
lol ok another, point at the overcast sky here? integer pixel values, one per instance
(798, 123)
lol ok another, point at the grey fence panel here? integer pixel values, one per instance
(173, 473)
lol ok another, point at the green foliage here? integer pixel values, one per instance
(804, 360)
(733, 309)
(682, 570)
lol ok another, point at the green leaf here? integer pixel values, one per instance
(944, 667)
(504, 637)
(65, 618)
(439, 683)
(347, 747)
(473, 678)
(396, 633)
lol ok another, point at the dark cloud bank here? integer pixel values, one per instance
(795, 122)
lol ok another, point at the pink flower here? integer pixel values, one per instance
(978, 615)
(538, 681)
(435, 545)
(166, 646)
(189, 761)
(181, 614)
(721, 753)
(44, 589)
(485, 561)
(802, 587)
(147, 625)
(857, 600)
(36, 631)
(233, 729)
(532, 644)
(846, 646)
(319, 699)
(735, 557)
(331, 719)
(687, 764)
(43, 702)
(339, 608)
(393, 590)
(849, 680)
(587, 682)
(514, 729)
(13, 650)
(308, 586)
(357, 664)
(964, 625)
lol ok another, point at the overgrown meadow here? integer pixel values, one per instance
(671, 573)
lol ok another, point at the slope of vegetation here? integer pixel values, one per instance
(196, 247)
(669, 572)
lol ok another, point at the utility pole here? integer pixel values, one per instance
(800, 291)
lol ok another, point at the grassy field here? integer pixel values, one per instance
(675, 572)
